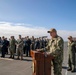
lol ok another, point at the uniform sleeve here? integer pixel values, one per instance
(73, 47)
(21, 43)
(59, 48)
(16, 41)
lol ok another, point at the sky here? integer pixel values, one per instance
(35, 17)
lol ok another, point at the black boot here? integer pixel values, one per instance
(13, 57)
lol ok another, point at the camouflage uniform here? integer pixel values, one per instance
(12, 47)
(20, 47)
(55, 47)
(71, 59)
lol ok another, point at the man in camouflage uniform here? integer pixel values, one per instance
(71, 51)
(55, 48)
(20, 47)
(32, 43)
(12, 43)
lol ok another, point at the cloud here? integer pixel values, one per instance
(8, 29)
(66, 33)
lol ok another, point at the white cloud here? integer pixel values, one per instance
(66, 33)
(7, 29)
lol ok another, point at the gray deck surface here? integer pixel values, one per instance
(18, 67)
(15, 67)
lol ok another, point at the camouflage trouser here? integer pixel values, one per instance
(11, 49)
(57, 66)
(20, 52)
(71, 61)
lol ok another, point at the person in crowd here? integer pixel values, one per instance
(20, 47)
(32, 43)
(7, 45)
(25, 45)
(0, 44)
(3, 47)
(42, 42)
(71, 54)
(28, 42)
(12, 43)
(37, 44)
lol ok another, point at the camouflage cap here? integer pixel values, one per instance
(52, 30)
(70, 37)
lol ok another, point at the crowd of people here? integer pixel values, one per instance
(55, 46)
(21, 45)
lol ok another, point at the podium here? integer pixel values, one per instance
(41, 63)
